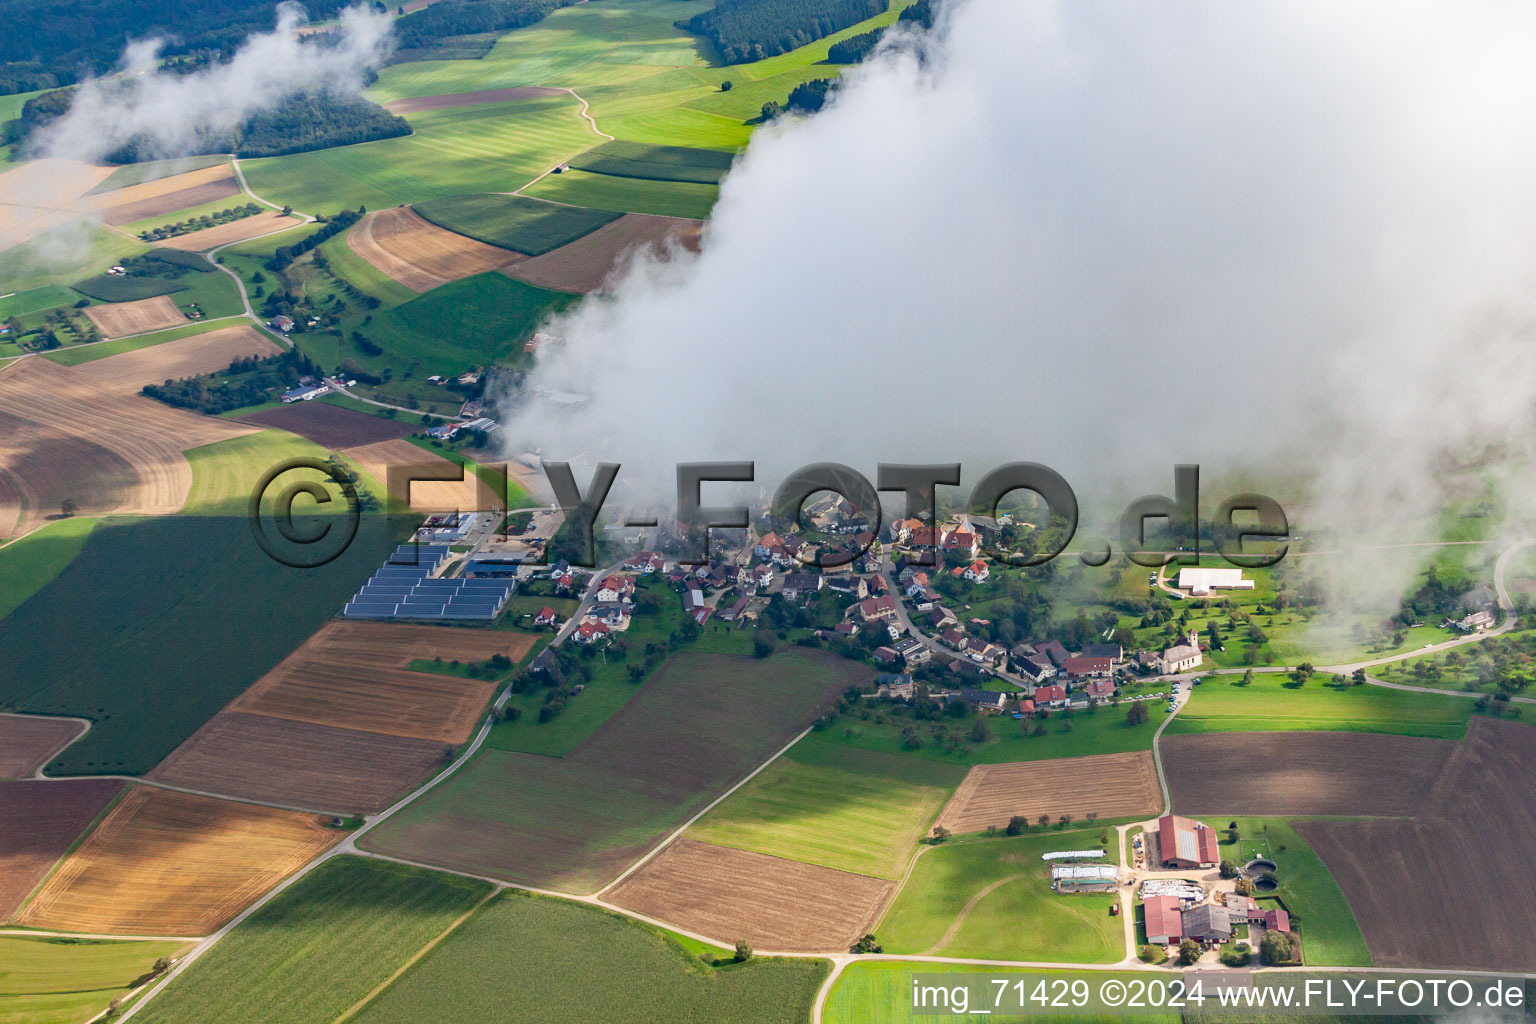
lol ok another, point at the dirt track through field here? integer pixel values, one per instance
(419, 254)
(1341, 773)
(167, 863)
(774, 904)
(234, 231)
(172, 202)
(466, 495)
(419, 104)
(1109, 785)
(1449, 888)
(94, 412)
(585, 264)
(27, 742)
(41, 820)
(119, 319)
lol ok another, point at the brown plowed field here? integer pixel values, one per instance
(330, 426)
(465, 99)
(154, 189)
(254, 757)
(351, 675)
(467, 495)
(41, 820)
(234, 231)
(1277, 773)
(583, 265)
(167, 863)
(775, 904)
(170, 202)
(418, 253)
(116, 319)
(27, 742)
(84, 409)
(40, 466)
(1110, 785)
(1450, 888)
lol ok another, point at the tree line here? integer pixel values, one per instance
(468, 17)
(250, 381)
(333, 226)
(749, 30)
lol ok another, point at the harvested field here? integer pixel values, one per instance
(330, 426)
(167, 863)
(234, 231)
(418, 104)
(775, 904)
(469, 494)
(352, 675)
(1450, 888)
(27, 742)
(585, 264)
(274, 760)
(41, 820)
(41, 194)
(158, 187)
(170, 202)
(1110, 785)
(41, 466)
(116, 319)
(418, 253)
(127, 449)
(573, 822)
(1302, 772)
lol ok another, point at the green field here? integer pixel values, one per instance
(453, 152)
(323, 945)
(992, 899)
(534, 959)
(837, 806)
(1102, 731)
(43, 981)
(178, 624)
(1272, 703)
(662, 163)
(1319, 911)
(153, 170)
(1488, 666)
(573, 823)
(200, 283)
(74, 355)
(27, 565)
(64, 255)
(514, 222)
(628, 195)
(226, 472)
(36, 300)
(880, 992)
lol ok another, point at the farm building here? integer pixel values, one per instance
(1164, 919)
(1089, 668)
(304, 393)
(1207, 923)
(1183, 843)
(1084, 877)
(1205, 581)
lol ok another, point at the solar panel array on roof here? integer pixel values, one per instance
(404, 588)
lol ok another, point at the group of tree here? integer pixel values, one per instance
(332, 227)
(247, 381)
(426, 27)
(749, 30)
(310, 120)
(51, 43)
(207, 220)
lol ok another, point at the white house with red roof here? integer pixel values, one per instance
(590, 633)
(546, 617)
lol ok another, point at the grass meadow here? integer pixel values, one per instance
(1274, 703)
(530, 958)
(514, 222)
(320, 947)
(27, 565)
(628, 195)
(75, 355)
(837, 806)
(47, 980)
(992, 899)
